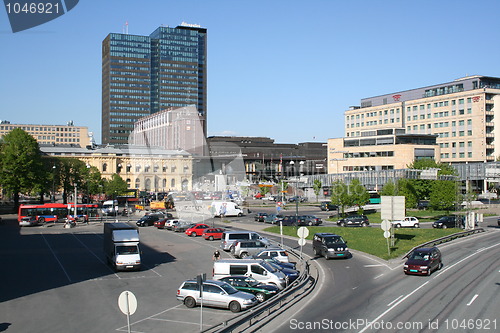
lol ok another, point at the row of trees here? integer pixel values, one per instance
(442, 193)
(24, 170)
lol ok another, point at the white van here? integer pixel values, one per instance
(229, 237)
(258, 269)
(225, 208)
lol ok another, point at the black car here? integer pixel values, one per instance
(290, 220)
(250, 285)
(354, 220)
(423, 261)
(290, 274)
(310, 220)
(330, 246)
(326, 206)
(451, 221)
(148, 220)
(260, 217)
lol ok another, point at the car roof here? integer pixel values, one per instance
(217, 282)
(325, 234)
(425, 249)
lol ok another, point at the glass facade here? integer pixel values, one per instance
(142, 75)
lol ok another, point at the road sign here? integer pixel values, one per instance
(302, 241)
(387, 234)
(303, 232)
(127, 302)
(385, 225)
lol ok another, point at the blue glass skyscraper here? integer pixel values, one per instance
(142, 75)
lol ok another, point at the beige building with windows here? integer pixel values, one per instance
(462, 116)
(151, 169)
(52, 134)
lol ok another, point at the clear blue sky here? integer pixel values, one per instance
(283, 69)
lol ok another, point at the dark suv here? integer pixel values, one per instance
(330, 246)
(328, 206)
(423, 261)
(354, 220)
(260, 217)
(451, 221)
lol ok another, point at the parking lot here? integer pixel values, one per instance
(57, 279)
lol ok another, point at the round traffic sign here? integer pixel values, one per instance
(127, 302)
(387, 234)
(385, 225)
(303, 232)
(302, 241)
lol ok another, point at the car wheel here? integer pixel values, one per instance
(342, 224)
(41, 220)
(416, 225)
(193, 234)
(398, 225)
(316, 252)
(310, 223)
(429, 271)
(326, 255)
(240, 215)
(234, 306)
(440, 266)
(364, 224)
(261, 297)
(189, 302)
(211, 238)
(243, 255)
(444, 226)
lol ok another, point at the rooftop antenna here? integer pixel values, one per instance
(125, 28)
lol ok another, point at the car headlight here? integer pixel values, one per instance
(331, 249)
(248, 301)
(346, 249)
(423, 267)
(405, 266)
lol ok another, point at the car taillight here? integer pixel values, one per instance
(178, 292)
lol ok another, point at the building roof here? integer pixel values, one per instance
(126, 150)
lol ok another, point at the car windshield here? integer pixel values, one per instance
(334, 240)
(228, 288)
(132, 249)
(419, 255)
(268, 267)
(251, 281)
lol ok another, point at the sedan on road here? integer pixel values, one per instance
(423, 261)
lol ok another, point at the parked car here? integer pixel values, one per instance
(171, 223)
(327, 205)
(213, 233)
(423, 261)
(260, 217)
(275, 252)
(196, 230)
(273, 218)
(297, 199)
(409, 221)
(451, 221)
(423, 204)
(310, 220)
(244, 248)
(215, 293)
(330, 246)
(28, 221)
(230, 237)
(289, 220)
(182, 226)
(275, 260)
(148, 220)
(250, 285)
(353, 220)
(160, 224)
(290, 274)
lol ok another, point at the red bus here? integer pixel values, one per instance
(49, 212)
(84, 212)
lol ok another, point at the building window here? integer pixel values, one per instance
(469, 132)
(461, 133)
(172, 183)
(104, 167)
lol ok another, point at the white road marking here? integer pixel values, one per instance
(55, 256)
(376, 277)
(472, 300)
(378, 265)
(395, 300)
(392, 307)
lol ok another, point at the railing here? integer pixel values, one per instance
(446, 239)
(260, 315)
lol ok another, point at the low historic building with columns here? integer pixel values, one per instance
(151, 169)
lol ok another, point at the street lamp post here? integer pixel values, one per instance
(53, 199)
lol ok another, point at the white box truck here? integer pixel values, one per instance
(225, 208)
(121, 246)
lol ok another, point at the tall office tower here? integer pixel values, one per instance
(142, 75)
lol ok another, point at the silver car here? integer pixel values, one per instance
(215, 293)
(245, 248)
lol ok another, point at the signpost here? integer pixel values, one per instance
(200, 279)
(386, 226)
(302, 232)
(127, 304)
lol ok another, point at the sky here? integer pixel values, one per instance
(287, 70)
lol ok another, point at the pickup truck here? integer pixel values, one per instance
(409, 221)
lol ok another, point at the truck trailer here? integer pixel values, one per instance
(121, 246)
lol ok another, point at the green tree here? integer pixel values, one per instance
(115, 186)
(317, 187)
(340, 195)
(443, 195)
(20, 163)
(71, 172)
(406, 189)
(358, 194)
(389, 189)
